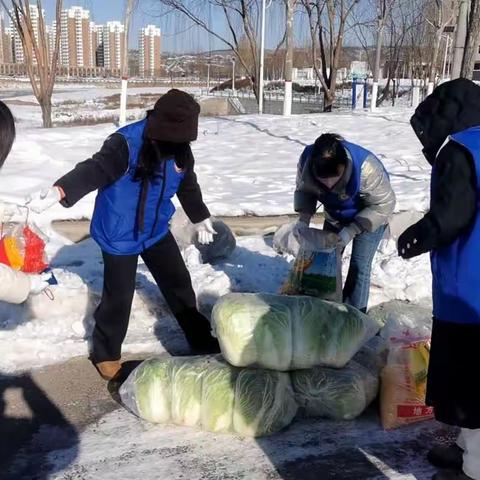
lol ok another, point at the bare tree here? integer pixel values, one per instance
(327, 23)
(41, 64)
(402, 20)
(383, 8)
(241, 37)
(473, 39)
(438, 14)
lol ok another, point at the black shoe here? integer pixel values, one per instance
(449, 457)
(449, 475)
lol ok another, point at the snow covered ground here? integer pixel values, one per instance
(246, 165)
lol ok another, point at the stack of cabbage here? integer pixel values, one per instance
(211, 394)
(314, 339)
(262, 338)
(287, 332)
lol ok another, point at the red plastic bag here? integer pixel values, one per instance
(34, 261)
(23, 248)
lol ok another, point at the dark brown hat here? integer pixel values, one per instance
(174, 118)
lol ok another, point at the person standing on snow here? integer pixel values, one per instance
(15, 287)
(447, 124)
(355, 190)
(137, 172)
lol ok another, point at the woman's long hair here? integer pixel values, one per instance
(7, 132)
(153, 152)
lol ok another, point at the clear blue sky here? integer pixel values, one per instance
(178, 33)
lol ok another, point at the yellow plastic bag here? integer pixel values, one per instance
(404, 384)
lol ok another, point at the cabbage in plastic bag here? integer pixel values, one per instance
(289, 332)
(336, 394)
(208, 393)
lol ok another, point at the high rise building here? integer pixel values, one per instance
(150, 51)
(76, 41)
(98, 56)
(113, 45)
(17, 42)
(6, 53)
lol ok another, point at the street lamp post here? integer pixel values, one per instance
(262, 58)
(447, 55)
(233, 74)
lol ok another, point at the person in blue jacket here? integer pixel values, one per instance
(354, 188)
(447, 124)
(138, 171)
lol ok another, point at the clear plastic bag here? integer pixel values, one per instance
(208, 393)
(22, 247)
(284, 240)
(316, 274)
(289, 332)
(403, 320)
(336, 394)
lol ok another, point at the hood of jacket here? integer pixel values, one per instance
(453, 107)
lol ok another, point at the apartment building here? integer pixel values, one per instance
(150, 51)
(18, 56)
(113, 45)
(6, 47)
(76, 40)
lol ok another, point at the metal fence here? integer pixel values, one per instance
(273, 101)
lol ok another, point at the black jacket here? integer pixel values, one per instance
(454, 358)
(110, 164)
(452, 108)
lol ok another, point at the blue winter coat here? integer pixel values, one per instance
(115, 223)
(456, 267)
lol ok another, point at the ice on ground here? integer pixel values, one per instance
(121, 446)
(246, 165)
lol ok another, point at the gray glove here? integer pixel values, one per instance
(348, 233)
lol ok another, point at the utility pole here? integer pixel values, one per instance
(123, 97)
(262, 58)
(378, 55)
(460, 39)
(287, 101)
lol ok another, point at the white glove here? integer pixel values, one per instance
(8, 210)
(38, 283)
(205, 232)
(43, 200)
(348, 233)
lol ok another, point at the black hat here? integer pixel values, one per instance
(174, 118)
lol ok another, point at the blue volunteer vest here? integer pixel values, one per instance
(114, 222)
(345, 207)
(456, 267)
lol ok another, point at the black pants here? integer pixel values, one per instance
(171, 275)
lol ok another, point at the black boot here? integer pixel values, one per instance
(449, 475)
(197, 331)
(449, 457)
